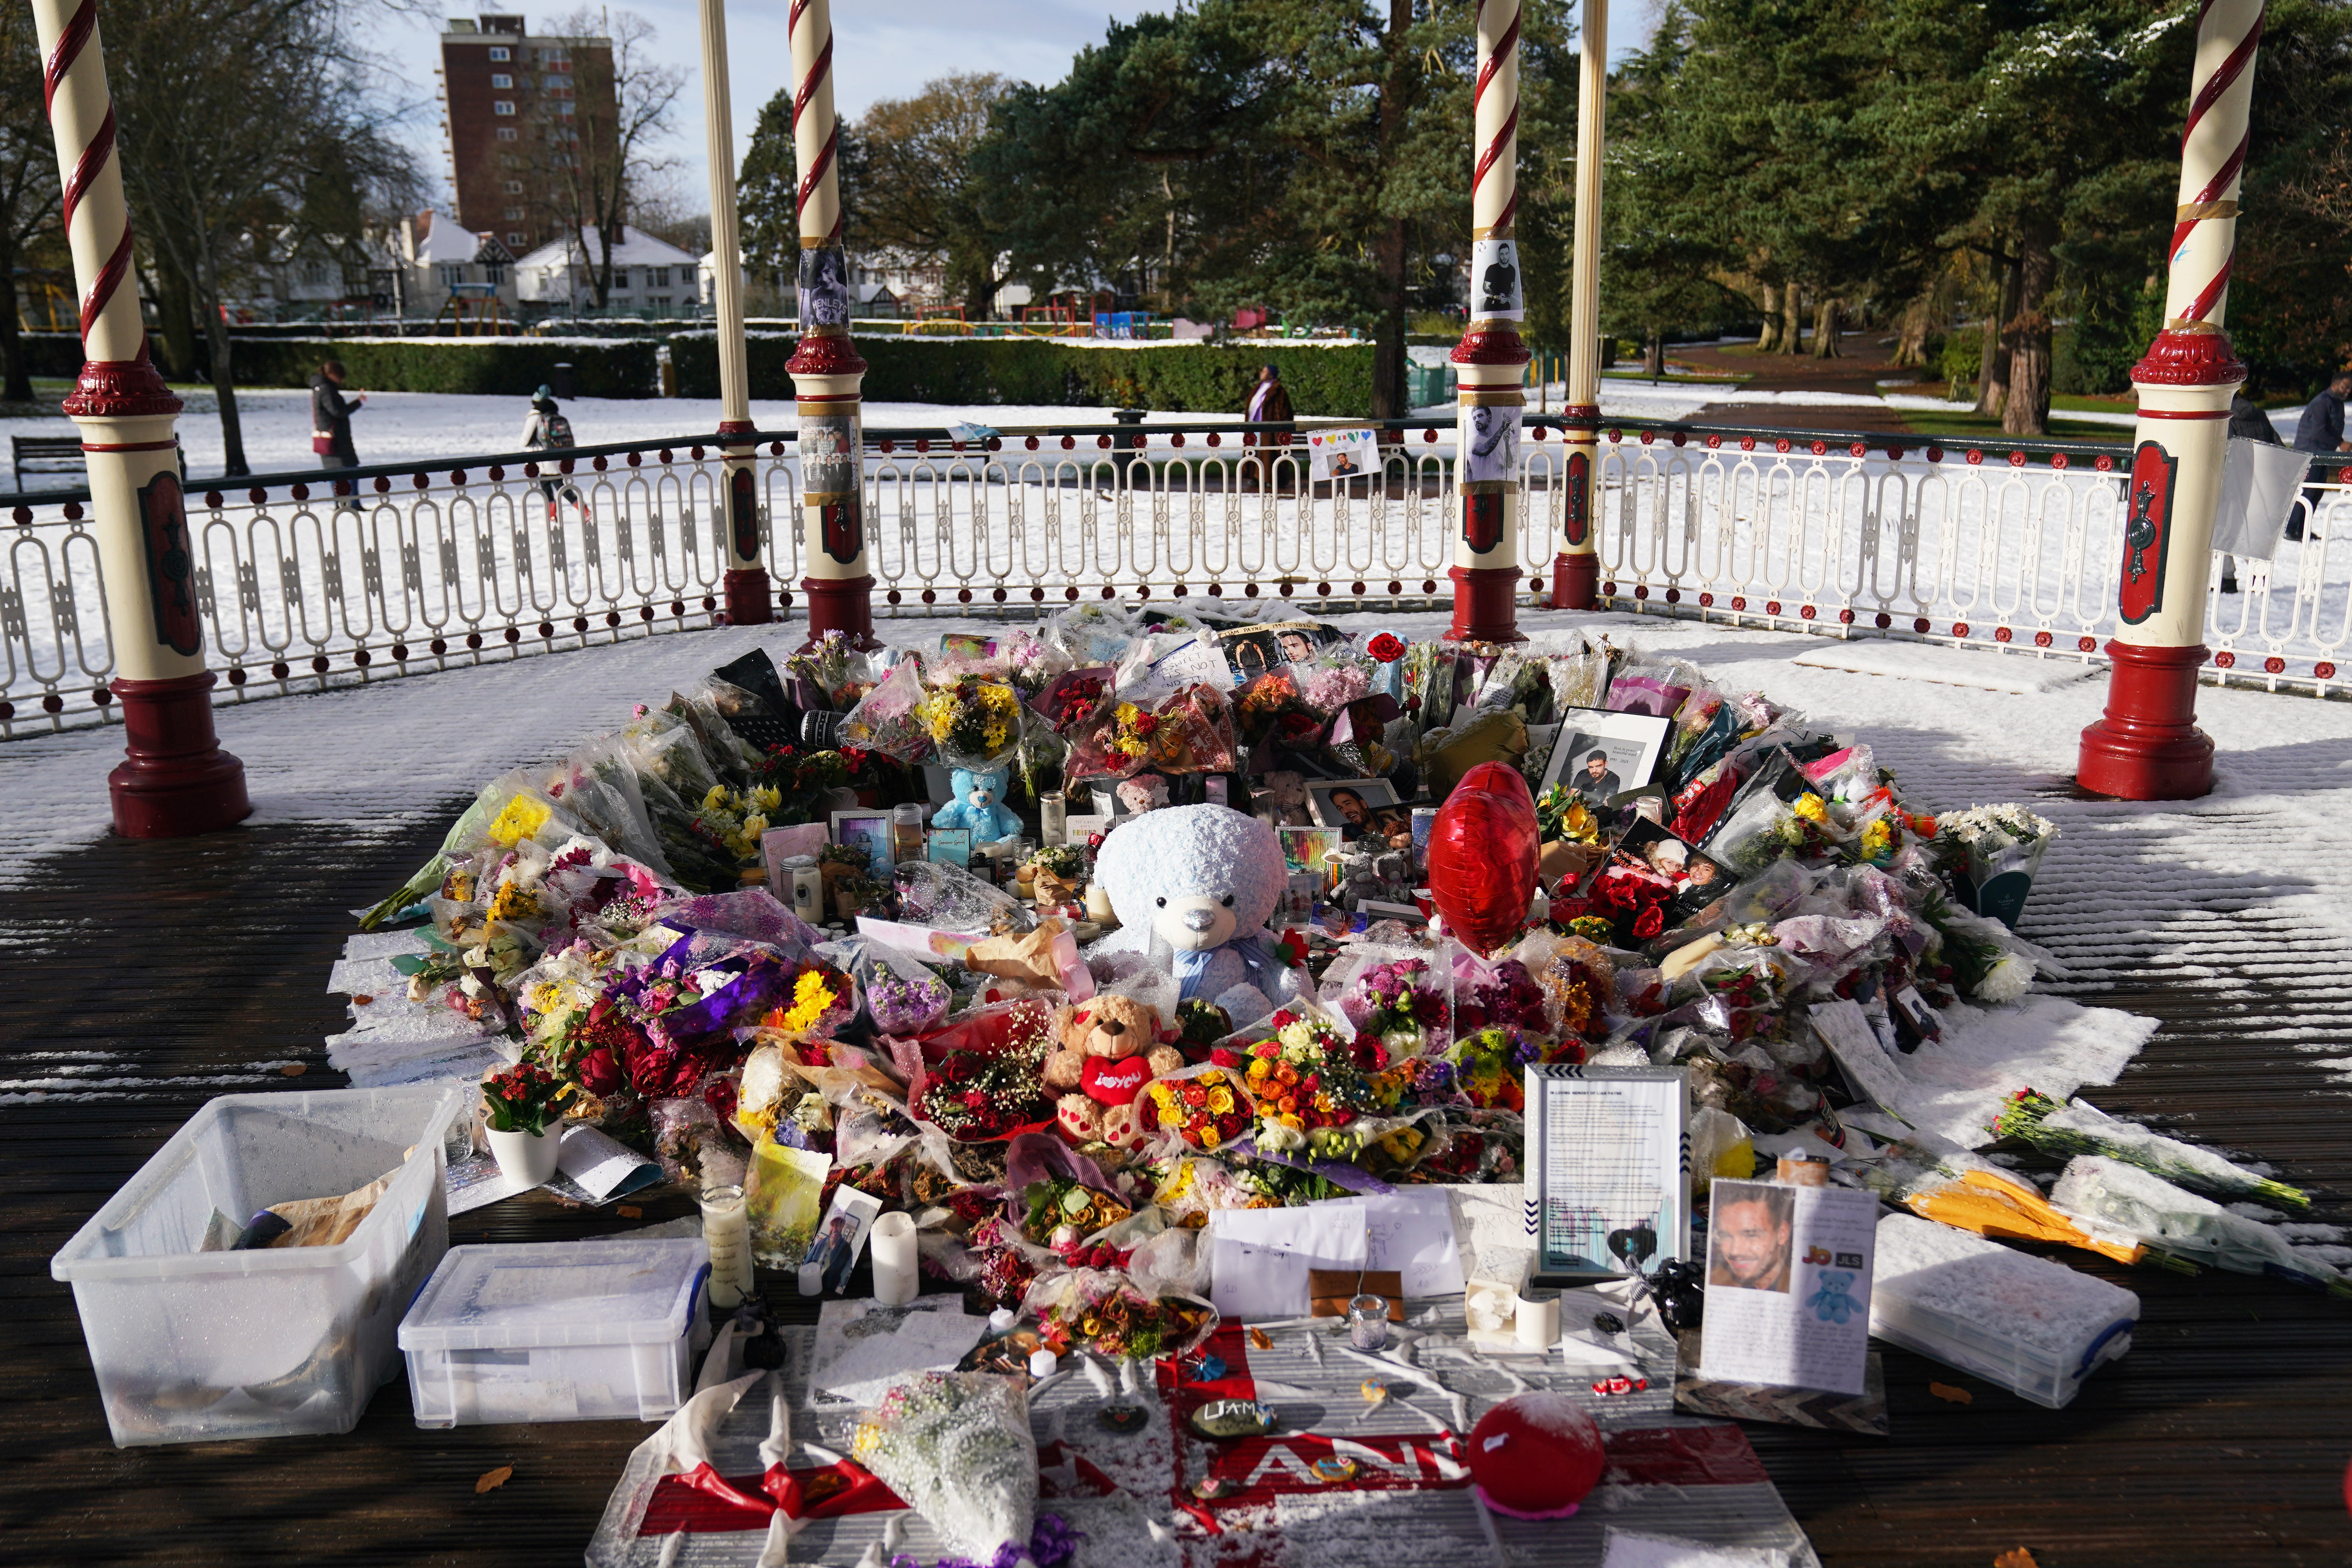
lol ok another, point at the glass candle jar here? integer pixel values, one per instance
(726, 1232)
(1368, 1322)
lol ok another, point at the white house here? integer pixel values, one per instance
(649, 275)
(431, 261)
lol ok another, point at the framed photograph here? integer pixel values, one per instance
(1364, 811)
(870, 830)
(1698, 879)
(1599, 754)
(1304, 848)
(1608, 1153)
(1251, 651)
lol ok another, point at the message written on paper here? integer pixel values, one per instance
(1788, 1286)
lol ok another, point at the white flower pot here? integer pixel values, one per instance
(527, 1156)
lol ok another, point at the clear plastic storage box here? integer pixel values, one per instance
(2035, 1327)
(190, 1345)
(572, 1330)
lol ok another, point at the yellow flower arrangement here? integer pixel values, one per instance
(1810, 808)
(812, 997)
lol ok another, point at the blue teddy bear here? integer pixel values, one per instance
(978, 792)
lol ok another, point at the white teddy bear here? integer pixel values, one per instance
(1193, 886)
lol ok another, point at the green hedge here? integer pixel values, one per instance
(1188, 378)
(51, 354)
(507, 367)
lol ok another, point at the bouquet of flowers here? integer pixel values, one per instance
(1200, 1025)
(1063, 1210)
(1990, 855)
(1310, 1081)
(1075, 699)
(733, 820)
(1104, 1312)
(1398, 1004)
(978, 1098)
(523, 1098)
(1561, 814)
(884, 719)
(1117, 743)
(976, 723)
(1332, 678)
(905, 1005)
(822, 999)
(1194, 733)
(1486, 1067)
(956, 1446)
(2077, 1128)
(1207, 1109)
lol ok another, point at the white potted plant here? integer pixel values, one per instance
(526, 1122)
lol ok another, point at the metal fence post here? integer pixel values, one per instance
(175, 779)
(827, 375)
(1490, 360)
(2148, 747)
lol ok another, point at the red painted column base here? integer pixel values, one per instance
(747, 597)
(176, 781)
(844, 604)
(1486, 604)
(1576, 581)
(2149, 746)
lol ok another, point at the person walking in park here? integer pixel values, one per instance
(1269, 403)
(331, 423)
(2321, 431)
(545, 429)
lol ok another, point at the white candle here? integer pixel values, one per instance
(726, 1232)
(896, 1281)
(1099, 903)
(1536, 1323)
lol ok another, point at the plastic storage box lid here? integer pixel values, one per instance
(616, 1291)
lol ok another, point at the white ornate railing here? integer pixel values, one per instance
(419, 569)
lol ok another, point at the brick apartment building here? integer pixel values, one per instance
(510, 101)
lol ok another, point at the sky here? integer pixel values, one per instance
(880, 50)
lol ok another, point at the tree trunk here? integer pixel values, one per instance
(1992, 379)
(1793, 320)
(1654, 354)
(1911, 337)
(233, 461)
(2027, 412)
(175, 324)
(1767, 337)
(16, 373)
(1825, 328)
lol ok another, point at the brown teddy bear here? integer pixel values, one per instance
(1107, 1050)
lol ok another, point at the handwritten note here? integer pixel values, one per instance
(1260, 1258)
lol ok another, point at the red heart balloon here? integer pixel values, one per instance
(1482, 857)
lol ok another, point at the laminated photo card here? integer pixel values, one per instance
(1788, 1285)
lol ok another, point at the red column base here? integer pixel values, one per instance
(844, 604)
(747, 597)
(1486, 604)
(1576, 581)
(2149, 746)
(176, 781)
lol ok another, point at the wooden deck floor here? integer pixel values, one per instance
(160, 974)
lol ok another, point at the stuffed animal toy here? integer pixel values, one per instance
(1193, 886)
(1107, 1052)
(1284, 799)
(976, 806)
(1144, 792)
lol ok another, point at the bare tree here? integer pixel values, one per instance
(239, 119)
(909, 183)
(28, 183)
(596, 160)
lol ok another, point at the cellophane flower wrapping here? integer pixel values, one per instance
(1104, 1311)
(902, 996)
(1195, 733)
(956, 1446)
(976, 723)
(885, 721)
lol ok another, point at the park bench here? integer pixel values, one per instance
(44, 454)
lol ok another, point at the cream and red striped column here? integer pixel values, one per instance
(825, 370)
(1490, 360)
(2148, 746)
(1576, 570)
(175, 779)
(748, 599)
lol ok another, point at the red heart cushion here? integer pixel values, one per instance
(1114, 1082)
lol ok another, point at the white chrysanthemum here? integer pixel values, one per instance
(2006, 981)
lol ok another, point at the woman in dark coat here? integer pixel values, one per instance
(330, 422)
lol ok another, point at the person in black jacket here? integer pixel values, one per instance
(2321, 431)
(331, 423)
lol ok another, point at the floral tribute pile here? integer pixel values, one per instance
(611, 917)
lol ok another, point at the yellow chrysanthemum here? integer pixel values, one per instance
(811, 998)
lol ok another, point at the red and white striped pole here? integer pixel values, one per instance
(1576, 570)
(1490, 360)
(2147, 747)
(749, 601)
(826, 373)
(175, 779)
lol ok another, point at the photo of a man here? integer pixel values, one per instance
(1296, 648)
(1704, 885)
(1365, 812)
(1595, 783)
(835, 1249)
(1747, 1241)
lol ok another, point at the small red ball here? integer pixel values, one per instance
(1536, 1457)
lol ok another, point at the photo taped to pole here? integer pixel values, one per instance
(823, 289)
(1608, 1162)
(2147, 533)
(1495, 276)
